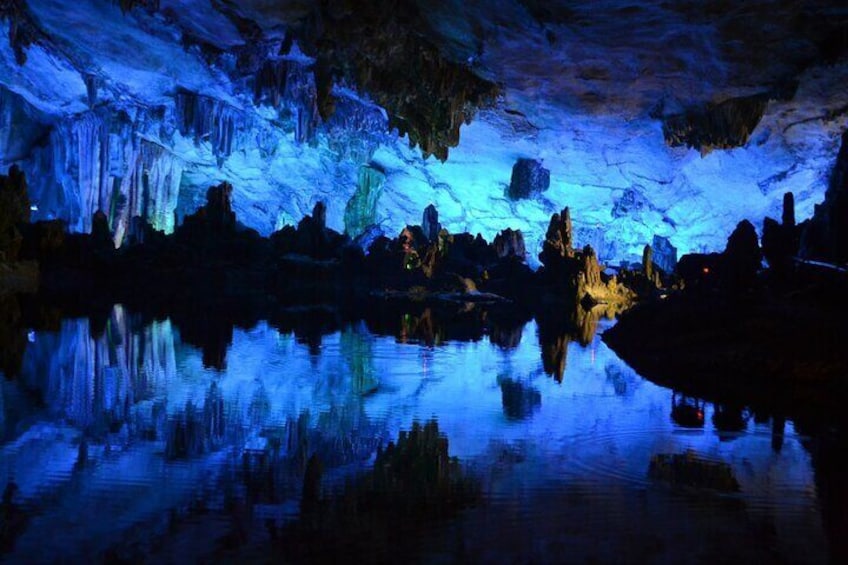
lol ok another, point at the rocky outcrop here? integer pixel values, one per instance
(559, 239)
(735, 269)
(529, 179)
(825, 237)
(510, 243)
(576, 275)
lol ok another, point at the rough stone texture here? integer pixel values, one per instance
(826, 236)
(510, 243)
(383, 46)
(558, 239)
(361, 209)
(529, 179)
(585, 86)
(648, 262)
(665, 254)
(716, 126)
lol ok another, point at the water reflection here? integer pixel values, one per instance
(422, 431)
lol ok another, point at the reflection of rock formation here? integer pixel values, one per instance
(686, 411)
(13, 518)
(357, 350)
(519, 400)
(197, 429)
(828, 453)
(729, 419)
(558, 329)
(95, 381)
(687, 469)
(12, 336)
(412, 483)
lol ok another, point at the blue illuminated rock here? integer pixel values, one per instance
(92, 97)
(430, 223)
(664, 253)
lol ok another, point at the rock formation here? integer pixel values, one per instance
(510, 243)
(430, 223)
(529, 179)
(716, 126)
(664, 253)
(825, 237)
(742, 257)
(781, 241)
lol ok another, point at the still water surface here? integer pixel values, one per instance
(131, 444)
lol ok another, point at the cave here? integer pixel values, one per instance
(447, 280)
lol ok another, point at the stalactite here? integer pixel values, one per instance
(202, 118)
(97, 161)
(287, 83)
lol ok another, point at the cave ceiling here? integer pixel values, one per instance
(635, 102)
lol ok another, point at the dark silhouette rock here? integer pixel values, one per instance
(780, 241)
(789, 210)
(14, 211)
(219, 208)
(101, 235)
(314, 239)
(699, 269)
(825, 237)
(430, 223)
(43, 239)
(529, 178)
(742, 258)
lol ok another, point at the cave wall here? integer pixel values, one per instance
(138, 112)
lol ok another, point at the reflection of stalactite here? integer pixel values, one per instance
(413, 482)
(357, 351)
(195, 430)
(95, 381)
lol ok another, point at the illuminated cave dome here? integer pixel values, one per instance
(675, 119)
